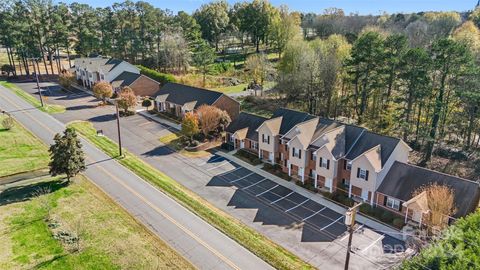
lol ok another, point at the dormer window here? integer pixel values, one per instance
(313, 156)
(362, 174)
(324, 163)
(347, 166)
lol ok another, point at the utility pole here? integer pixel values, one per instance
(118, 129)
(38, 84)
(350, 222)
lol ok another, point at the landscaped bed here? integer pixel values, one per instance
(248, 157)
(260, 245)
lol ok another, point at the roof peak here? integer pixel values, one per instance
(442, 173)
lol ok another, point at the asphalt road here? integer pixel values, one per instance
(196, 240)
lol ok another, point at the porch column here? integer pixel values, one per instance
(350, 190)
(406, 215)
(315, 179)
(289, 168)
(371, 199)
(303, 175)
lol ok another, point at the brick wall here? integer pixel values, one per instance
(229, 105)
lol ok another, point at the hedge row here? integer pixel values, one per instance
(162, 78)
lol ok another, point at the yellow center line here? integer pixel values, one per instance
(154, 207)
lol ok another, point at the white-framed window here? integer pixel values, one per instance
(297, 152)
(255, 145)
(266, 139)
(324, 163)
(314, 156)
(348, 167)
(362, 174)
(231, 138)
(392, 203)
(345, 182)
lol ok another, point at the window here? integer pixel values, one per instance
(266, 139)
(255, 145)
(394, 204)
(325, 163)
(313, 156)
(231, 138)
(296, 152)
(362, 174)
(348, 165)
(345, 182)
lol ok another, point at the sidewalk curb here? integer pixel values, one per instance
(159, 120)
(315, 197)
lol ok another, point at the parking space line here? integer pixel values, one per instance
(242, 177)
(255, 183)
(331, 223)
(314, 213)
(297, 205)
(205, 162)
(218, 166)
(373, 243)
(282, 198)
(236, 169)
(266, 191)
(346, 236)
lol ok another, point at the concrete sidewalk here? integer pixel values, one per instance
(314, 197)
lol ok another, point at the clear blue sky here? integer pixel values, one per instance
(317, 6)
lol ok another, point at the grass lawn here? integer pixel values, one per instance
(20, 151)
(173, 141)
(32, 100)
(232, 89)
(109, 238)
(277, 256)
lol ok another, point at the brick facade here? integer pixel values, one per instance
(229, 105)
(144, 86)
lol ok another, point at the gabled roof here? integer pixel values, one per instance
(374, 157)
(125, 78)
(180, 94)
(369, 140)
(96, 64)
(403, 179)
(333, 140)
(273, 125)
(290, 118)
(246, 120)
(304, 131)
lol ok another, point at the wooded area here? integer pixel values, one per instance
(415, 76)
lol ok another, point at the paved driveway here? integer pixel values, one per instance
(312, 231)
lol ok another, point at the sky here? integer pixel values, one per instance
(317, 6)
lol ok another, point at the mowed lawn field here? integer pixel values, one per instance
(46, 223)
(20, 151)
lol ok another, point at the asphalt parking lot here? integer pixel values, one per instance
(320, 224)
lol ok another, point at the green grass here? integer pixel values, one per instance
(20, 151)
(258, 244)
(174, 141)
(232, 89)
(109, 237)
(52, 109)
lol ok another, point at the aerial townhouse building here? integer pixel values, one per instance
(332, 155)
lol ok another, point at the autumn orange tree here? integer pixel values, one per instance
(127, 99)
(212, 119)
(103, 90)
(440, 203)
(190, 125)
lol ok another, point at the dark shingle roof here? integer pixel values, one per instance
(125, 78)
(403, 179)
(290, 118)
(245, 120)
(181, 94)
(368, 140)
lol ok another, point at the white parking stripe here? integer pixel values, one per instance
(236, 169)
(297, 205)
(242, 178)
(255, 183)
(331, 223)
(212, 160)
(218, 166)
(373, 243)
(266, 191)
(346, 236)
(314, 213)
(281, 198)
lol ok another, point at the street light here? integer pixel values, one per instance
(36, 77)
(350, 222)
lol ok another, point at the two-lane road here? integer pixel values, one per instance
(196, 240)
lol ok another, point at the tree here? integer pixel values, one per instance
(258, 67)
(7, 69)
(66, 155)
(440, 199)
(213, 20)
(204, 56)
(147, 103)
(103, 90)
(284, 28)
(190, 125)
(66, 79)
(127, 99)
(209, 118)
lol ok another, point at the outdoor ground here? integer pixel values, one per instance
(20, 151)
(108, 237)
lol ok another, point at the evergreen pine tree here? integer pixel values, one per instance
(66, 155)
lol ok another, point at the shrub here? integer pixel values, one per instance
(386, 217)
(162, 78)
(146, 103)
(398, 222)
(66, 79)
(220, 68)
(8, 123)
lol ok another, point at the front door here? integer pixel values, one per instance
(242, 144)
(365, 194)
(329, 183)
(270, 156)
